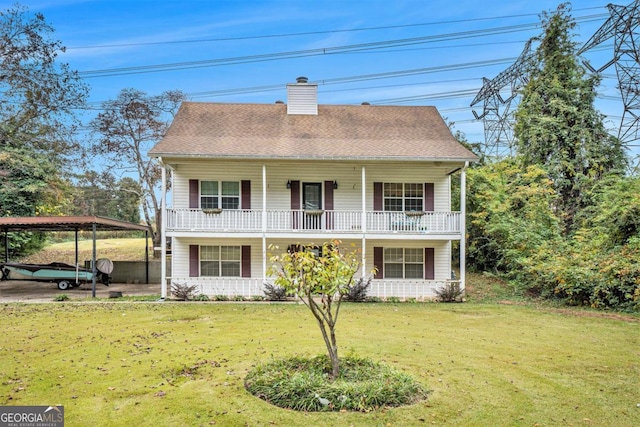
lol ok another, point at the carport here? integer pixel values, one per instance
(71, 223)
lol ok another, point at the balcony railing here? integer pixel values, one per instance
(312, 221)
(247, 288)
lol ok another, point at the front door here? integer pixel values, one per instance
(312, 204)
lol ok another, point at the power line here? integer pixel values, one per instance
(345, 49)
(284, 35)
(352, 79)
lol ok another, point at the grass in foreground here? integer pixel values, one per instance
(153, 364)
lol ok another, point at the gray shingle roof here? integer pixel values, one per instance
(365, 132)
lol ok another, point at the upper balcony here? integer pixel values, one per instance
(305, 221)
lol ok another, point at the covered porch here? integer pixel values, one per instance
(253, 288)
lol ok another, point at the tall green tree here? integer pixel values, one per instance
(557, 125)
(124, 133)
(38, 98)
(100, 194)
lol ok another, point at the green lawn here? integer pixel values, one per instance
(170, 364)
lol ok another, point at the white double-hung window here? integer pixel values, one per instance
(220, 261)
(219, 195)
(399, 197)
(403, 263)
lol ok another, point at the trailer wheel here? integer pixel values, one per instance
(63, 285)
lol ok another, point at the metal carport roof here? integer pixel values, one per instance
(70, 223)
(65, 223)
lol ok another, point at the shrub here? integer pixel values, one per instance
(358, 291)
(201, 297)
(274, 292)
(303, 384)
(184, 292)
(450, 292)
(61, 297)
(221, 298)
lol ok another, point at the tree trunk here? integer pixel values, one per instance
(332, 347)
(335, 362)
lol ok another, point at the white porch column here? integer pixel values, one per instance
(463, 225)
(264, 223)
(163, 226)
(364, 222)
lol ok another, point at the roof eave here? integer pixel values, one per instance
(164, 156)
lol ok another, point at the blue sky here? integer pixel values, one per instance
(448, 47)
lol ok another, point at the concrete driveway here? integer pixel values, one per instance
(27, 291)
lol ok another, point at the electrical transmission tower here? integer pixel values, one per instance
(622, 26)
(497, 112)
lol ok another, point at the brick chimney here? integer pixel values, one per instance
(302, 97)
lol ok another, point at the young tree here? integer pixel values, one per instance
(557, 126)
(127, 129)
(319, 277)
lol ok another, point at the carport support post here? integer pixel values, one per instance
(146, 256)
(93, 263)
(77, 265)
(6, 245)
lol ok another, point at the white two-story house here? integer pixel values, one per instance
(244, 177)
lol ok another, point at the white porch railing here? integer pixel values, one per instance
(229, 287)
(300, 220)
(218, 220)
(249, 287)
(406, 289)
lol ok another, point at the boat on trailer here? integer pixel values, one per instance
(65, 275)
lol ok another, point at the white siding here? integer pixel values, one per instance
(215, 171)
(442, 254)
(348, 196)
(180, 252)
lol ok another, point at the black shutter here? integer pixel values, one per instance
(429, 264)
(194, 194)
(377, 196)
(295, 203)
(246, 261)
(378, 262)
(328, 204)
(246, 194)
(194, 261)
(429, 197)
